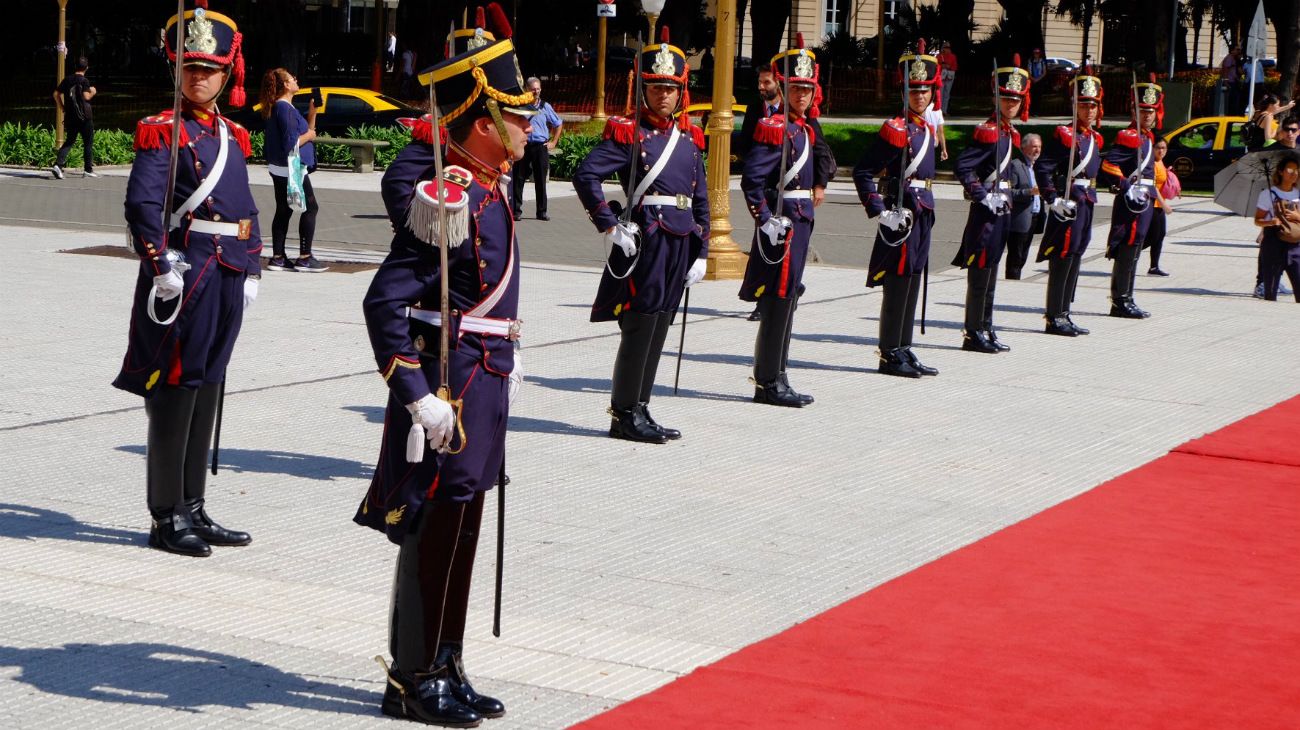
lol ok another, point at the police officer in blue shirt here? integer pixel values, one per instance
(543, 135)
(199, 271)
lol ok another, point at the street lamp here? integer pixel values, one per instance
(652, 9)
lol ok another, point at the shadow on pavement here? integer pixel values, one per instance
(306, 466)
(26, 523)
(176, 677)
(541, 425)
(373, 414)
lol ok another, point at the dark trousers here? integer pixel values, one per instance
(280, 223)
(898, 310)
(1277, 256)
(536, 162)
(71, 130)
(181, 421)
(435, 566)
(981, 286)
(1123, 273)
(1017, 252)
(1156, 236)
(639, 351)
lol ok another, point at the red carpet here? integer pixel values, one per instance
(1168, 597)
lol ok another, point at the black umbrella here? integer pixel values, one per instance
(1237, 186)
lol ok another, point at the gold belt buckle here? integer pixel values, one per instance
(683, 202)
(245, 229)
(513, 333)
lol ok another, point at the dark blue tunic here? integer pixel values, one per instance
(985, 237)
(406, 350)
(884, 159)
(1068, 238)
(672, 237)
(196, 347)
(1128, 227)
(777, 270)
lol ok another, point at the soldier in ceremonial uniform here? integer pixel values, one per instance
(783, 142)
(436, 462)
(661, 247)
(1130, 167)
(1071, 196)
(199, 271)
(905, 151)
(982, 171)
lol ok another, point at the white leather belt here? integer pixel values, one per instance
(798, 195)
(1146, 181)
(680, 202)
(213, 227)
(1084, 182)
(507, 328)
(1004, 184)
(919, 184)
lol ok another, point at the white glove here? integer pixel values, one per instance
(516, 376)
(168, 285)
(896, 219)
(623, 235)
(696, 274)
(997, 202)
(775, 228)
(1137, 194)
(1062, 208)
(431, 418)
(250, 291)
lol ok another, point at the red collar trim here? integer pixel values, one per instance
(484, 173)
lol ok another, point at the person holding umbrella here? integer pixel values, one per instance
(1277, 212)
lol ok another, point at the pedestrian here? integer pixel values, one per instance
(1277, 212)
(934, 117)
(1263, 127)
(406, 85)
(203, 265)
(1167, 187)
(428, 489)
(903, 157)
(543, 135)
(983, 170)
(771, 102)
(783, 211)
(1230, 76)
(1288, 132)
(948, 62)
(1027, 209)
(1037, 66)
(390, 52)
(73, 97)
(1071, 195)
(658, 242)
(288, 134)
(1130, 167)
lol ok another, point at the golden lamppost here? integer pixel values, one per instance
(600, 115)
(725, 258)
(61, 57)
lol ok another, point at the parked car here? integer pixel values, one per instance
(620, 58)
(341, 108)
(1203, 146)
(1057, 63)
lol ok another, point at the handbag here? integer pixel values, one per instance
(297, 173)
(1287, 229)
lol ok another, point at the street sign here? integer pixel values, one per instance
(606, 10)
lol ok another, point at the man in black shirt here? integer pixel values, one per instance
(73, 97)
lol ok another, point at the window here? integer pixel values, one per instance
(1237, 135)
(892, 8)
(831, 16)
(1200, 137)
(343, 104)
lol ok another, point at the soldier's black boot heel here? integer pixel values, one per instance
(1060, 326)
(449, 655)
(976, 341)
(894, 361)
(776, 393)
(211, 532)
(174, 533)
(426, 698)
(916, 364)
(671, 434)
(631, 425)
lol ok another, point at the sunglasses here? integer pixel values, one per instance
(1292, 130)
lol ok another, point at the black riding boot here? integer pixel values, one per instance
(428, 598)
(1132, 281)
(974, 338)
(662, 325)
(170, 411)
(1058, 281)
(629, 369)
(1068, 296)
(785, 352)
(909, 326)
(894, 308)
(768, 346)
(196, 470)
(1121, 282)
(991, 276)
(449, 656)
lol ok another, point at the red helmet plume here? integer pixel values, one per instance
(500, 24)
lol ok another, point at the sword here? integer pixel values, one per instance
(501, 546)
(997, 120)
(636, 142)
(785, 135)
(907, 141)
(216, 432)
(169, 197)
(681, 344)
(444, 278)
(1074, 141)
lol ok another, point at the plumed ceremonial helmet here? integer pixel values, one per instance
(1014, 81)
(920, 69)
(484, 76)
(465, 40)
(799, 66)
(664, 63)
(1150, 96)
(210, 39)
(1089, 88)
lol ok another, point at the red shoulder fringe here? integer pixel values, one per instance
(620, 129)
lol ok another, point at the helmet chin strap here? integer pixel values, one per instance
(494, 110)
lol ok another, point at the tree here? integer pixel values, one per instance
(1024, 24)
(767, 19)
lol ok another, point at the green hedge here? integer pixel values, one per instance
(33, 146)
(570, 152)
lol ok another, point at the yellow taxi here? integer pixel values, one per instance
(1203, 146)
